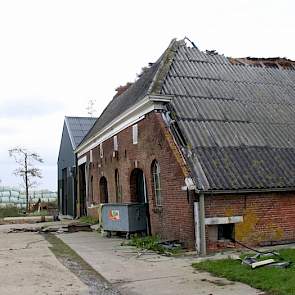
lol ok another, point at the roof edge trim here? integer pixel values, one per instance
(70, 134)
(127, 118)
(246, 191)
(164, 67)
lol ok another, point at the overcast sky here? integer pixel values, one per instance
(56, 55)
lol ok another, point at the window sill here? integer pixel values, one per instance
(158, 209)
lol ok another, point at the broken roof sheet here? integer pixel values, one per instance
(127, 99)
(238, 120)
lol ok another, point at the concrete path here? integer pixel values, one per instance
(28, 267)
(149, 273)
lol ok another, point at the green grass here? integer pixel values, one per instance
(10, 212)
(15, 212)
(151, 243)
(88, 219)
(36, 213)
(271, 280)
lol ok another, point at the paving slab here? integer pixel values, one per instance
(134, 273)
(28, 267)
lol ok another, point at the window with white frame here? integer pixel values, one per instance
(135, 134)
(101, 150)
(115, 143)
(156, 182)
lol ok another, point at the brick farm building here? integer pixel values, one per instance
(207, 142)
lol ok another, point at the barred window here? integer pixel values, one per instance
(156, 182)
(118, 187)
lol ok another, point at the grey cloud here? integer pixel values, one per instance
(28, 107)
(8, 129)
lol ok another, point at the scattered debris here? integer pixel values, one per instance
(24, 229)
(28, 219)
(58, 229)
(255, 261)
(262, 263)
(171, 245)
(75, 227)
(63, 228)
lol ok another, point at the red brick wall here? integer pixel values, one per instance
(268, 217)
(174, 220)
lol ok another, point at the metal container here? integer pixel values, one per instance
(128, 217)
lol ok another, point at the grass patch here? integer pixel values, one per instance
(16, 212)
(75, 263)
(272, 280)
(88, 219)
(10, 212)
(151, 243)
(36, 213)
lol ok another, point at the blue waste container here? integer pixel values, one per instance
(128, 218)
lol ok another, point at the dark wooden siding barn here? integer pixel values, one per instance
(74, 130)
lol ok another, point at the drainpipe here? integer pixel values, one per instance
(86, 185)
(202, 224)
(197, 227)
(199, 218)
(77, 204)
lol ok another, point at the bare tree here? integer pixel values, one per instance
(25, 160)
(91, 107)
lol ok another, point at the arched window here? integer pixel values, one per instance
(138, 192)
(118, 187)
(103, 187)
(156, 182)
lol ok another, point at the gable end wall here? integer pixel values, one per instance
(174, 220)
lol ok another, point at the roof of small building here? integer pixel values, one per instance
(237, 121)
(78, 127)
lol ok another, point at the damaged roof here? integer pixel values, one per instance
(124, 101)
(237, 120)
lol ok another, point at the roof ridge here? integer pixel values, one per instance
(69, 132)
(80, 117)
(150, 82)
(165, 64)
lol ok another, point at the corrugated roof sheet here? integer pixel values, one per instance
(78, 127)
(238, 120)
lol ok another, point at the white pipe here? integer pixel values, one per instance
(202, 224)
(197, 227)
